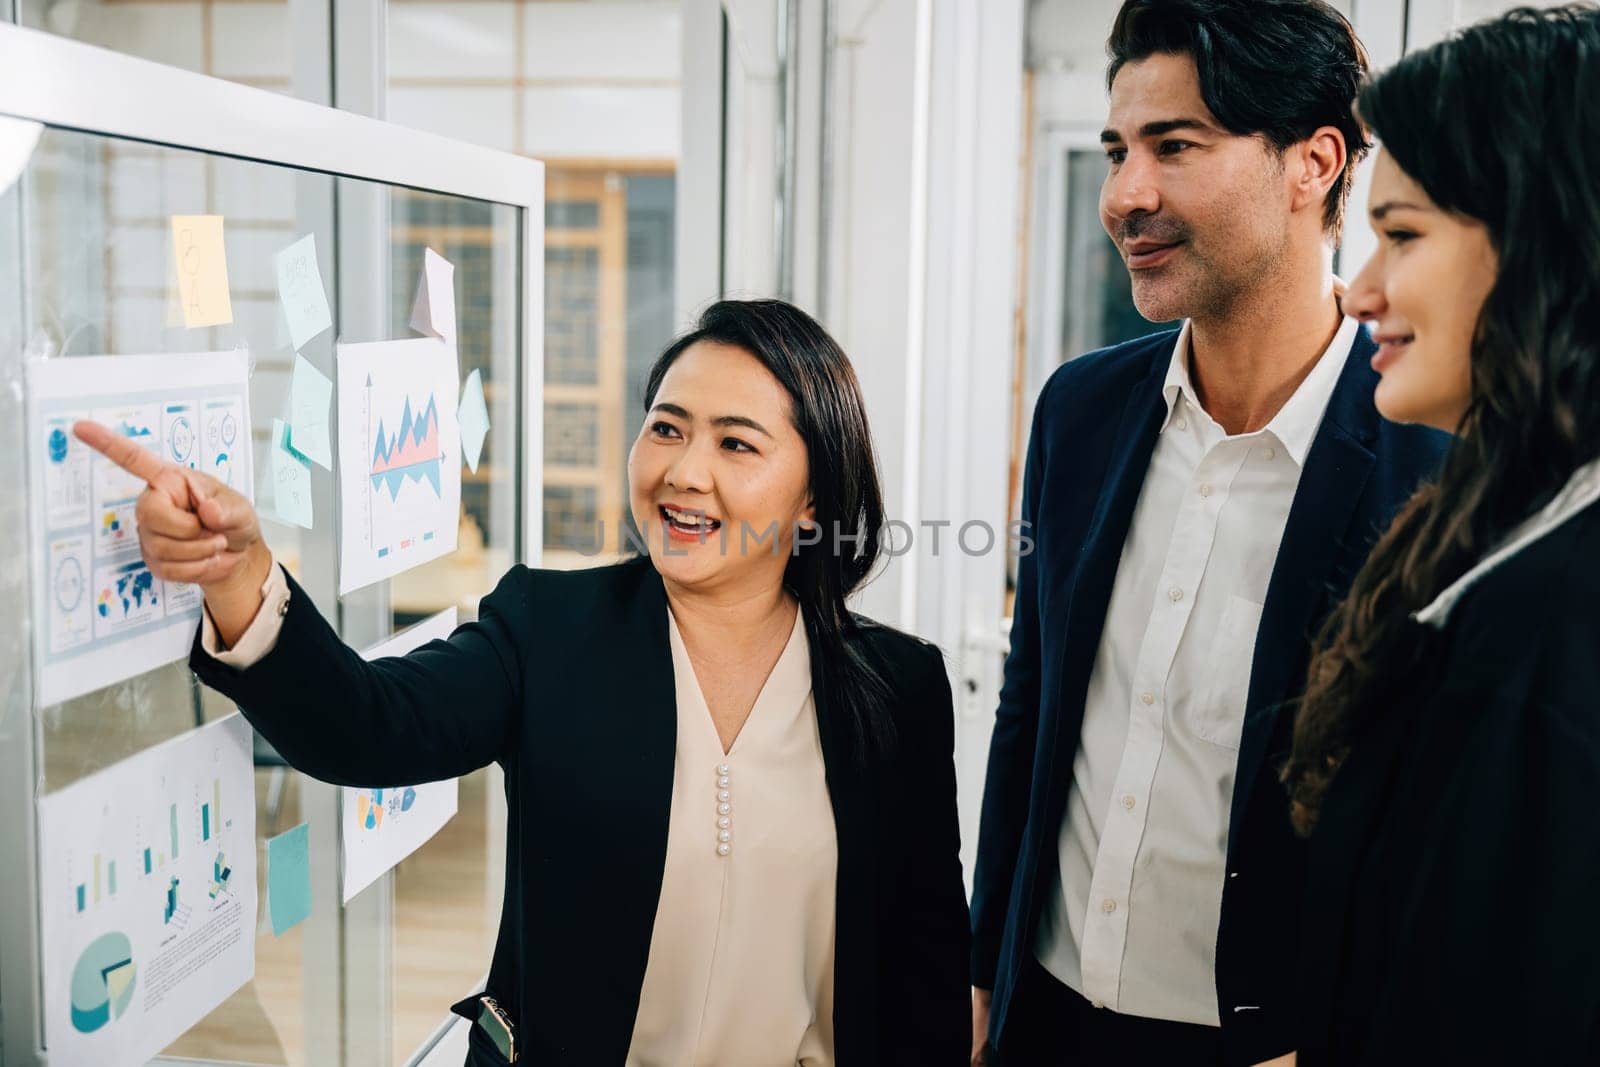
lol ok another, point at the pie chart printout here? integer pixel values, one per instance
(102, 982)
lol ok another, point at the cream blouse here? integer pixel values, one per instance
(740, 971)
(741, 959)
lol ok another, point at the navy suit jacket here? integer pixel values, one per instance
(1094, 430)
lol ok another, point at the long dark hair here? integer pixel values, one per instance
(1496, 124)
(1279, 68)
(831, 418)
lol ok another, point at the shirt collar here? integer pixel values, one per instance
(1581, 490)
(1296, 423)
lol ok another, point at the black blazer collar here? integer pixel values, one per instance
(1320, 543)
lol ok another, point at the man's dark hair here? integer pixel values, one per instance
(1278, 68)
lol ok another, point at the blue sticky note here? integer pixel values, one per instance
(472, 416)
(291, 479)
(309, 394)
(289, 878)
(305, 301)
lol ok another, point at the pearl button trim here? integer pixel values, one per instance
(724, 809)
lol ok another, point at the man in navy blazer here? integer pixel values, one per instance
(1198, 501)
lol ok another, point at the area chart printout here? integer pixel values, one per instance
(381, 827)
(399, 473)
(102, 615)
(147, 896)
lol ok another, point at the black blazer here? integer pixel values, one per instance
(1450, 914)
(566, 680)
(1094, 430)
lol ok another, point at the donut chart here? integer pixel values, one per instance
(102, 982)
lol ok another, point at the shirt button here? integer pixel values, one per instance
(1205, 490)
(1108, 906)
(724, 848)
(1183, 424)
(1096, 1004)
(722, 783)
(1128, 802)
(724, 795)
(723, 768)
(724, 822)
(1272, 453)
(724, 835)
(1176, 594)
(723, 809)
(1148, 698)
(283, 607)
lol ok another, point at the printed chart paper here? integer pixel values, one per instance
(102, 615)
(147, 896)
(399, 479)
(381, 827)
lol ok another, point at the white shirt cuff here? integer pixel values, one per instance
(261, 636)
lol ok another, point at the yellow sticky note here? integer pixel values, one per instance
(202, 270)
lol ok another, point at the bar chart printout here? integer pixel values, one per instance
(380, 827)
(147, 890)
(399, 477)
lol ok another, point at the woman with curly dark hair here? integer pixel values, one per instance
(1448, 747)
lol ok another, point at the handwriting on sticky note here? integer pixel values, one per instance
(434, 309)
(202, 265)
(289, 878)
(472, 416)
(291, 479)
(305, 301)
(309, 393)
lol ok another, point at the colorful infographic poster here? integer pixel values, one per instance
(399, 473)
(103, 616)
(147, 896)
(381, 827)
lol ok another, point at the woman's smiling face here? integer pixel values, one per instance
(1422, 292)
(719, 477)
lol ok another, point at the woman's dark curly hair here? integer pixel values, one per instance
(1499, 124)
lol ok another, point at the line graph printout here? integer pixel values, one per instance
(399, 476)
(102, 615)
(381, 827)
(147, 896)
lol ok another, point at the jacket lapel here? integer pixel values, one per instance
(855, 964)
(644, 755)
(1132, 445)
(1321, 542)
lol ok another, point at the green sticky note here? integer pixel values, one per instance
(289, 878)
(305, 302)
(291, 479)
(309, 393)
(472, 417)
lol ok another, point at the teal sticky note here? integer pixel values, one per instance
(289, 878)
(291, 479)
(309, 394)
(472, 416)
(305, 301)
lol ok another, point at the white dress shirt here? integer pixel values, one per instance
(740, 969)
(1132, 922)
